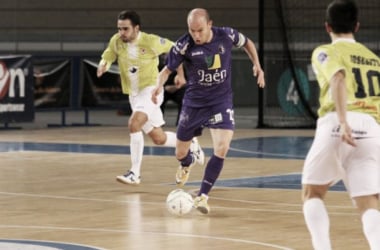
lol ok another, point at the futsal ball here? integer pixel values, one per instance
(179, 202)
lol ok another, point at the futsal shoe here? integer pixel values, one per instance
(196, 150)
(129, 178)
(182, 175)
(200, 203)
(183, 172)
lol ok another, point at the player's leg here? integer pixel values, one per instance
(153, 128)
(222, 124)
(314, 209)
(370, 217)
(364, 185)
(316, 216)
(221, 139)
(135, 124)
(142, 107)
(321, 170)
(162, 138)
(186, 160)
(188, 151)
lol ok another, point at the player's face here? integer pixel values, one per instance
(200, 30)
(127, 32)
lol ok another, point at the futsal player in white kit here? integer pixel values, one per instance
(347, 139)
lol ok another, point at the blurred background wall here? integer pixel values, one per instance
(284, 31)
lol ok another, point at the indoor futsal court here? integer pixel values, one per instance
(58, 191)
(64, 135)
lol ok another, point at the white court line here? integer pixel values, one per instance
(148, 232)
(257, 243)
(36, 242)
(295, 157)
(191, 191)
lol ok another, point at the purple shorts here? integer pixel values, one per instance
(193, 120)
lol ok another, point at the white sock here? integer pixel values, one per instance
(318, 223)
(371, 227)
(137, 150)
(171, 139)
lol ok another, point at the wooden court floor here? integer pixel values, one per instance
(72, 197)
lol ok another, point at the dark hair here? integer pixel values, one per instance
(342, 16)
(131, 15)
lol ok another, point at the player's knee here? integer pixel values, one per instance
(221, 150)
(134, 127)
(136, 122)
(314, 191)
(160, 140)
(158, 136)
(181, 153)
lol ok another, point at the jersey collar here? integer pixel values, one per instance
(348, 40)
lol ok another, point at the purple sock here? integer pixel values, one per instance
(212, 171)
(187, 160)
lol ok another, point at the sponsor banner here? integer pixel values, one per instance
(52, 80)
(16, 89)
(104, 91)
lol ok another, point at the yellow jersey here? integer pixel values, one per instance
(137, 61)
(362, 75)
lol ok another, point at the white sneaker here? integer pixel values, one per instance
(183, 173)
(196, 150)
(200, 203)
(129, 178)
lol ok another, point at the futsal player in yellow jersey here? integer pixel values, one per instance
(137, 54)
(347, 139)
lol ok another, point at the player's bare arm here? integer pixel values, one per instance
(339, 95)
(102, 68)
(179, 79)
(251, 51)
(161, 79)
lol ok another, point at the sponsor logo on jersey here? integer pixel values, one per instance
(208, 79)
(322, 57)
(231, 35)
(221, 49)
(162, 40)
(181, 48)
(133, 69)
(213, 62)
(197, 53)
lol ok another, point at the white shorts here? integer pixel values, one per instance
(330, 159)
(143, 102)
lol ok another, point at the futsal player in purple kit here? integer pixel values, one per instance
(205, 52)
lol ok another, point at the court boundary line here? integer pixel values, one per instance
(163, 203)
(148, 232)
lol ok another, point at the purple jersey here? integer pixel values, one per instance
(208, 66)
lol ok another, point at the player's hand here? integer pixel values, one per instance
(170, 88)
(259, 73)
(156, 91)
(179, 81)
(346, 134)
(101, 69)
